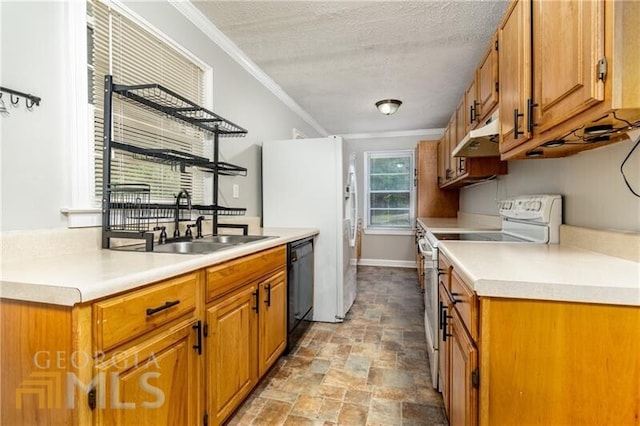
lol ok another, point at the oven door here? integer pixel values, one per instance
(429, 256)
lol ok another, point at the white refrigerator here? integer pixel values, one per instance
(304, 184)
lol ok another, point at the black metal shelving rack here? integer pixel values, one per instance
(126, 210)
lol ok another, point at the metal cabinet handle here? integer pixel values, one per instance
(256, 294)
(167, 305)
(444, 327)
(530, 123)
(516, 132)
(198, 328)
(268, 300)
(472, 113)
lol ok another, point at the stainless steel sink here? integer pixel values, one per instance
(190, 247)
(234, 239)
(207, 244)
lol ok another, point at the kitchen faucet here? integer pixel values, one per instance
(199, 226)
(176, 218)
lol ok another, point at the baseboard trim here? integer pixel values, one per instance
(388, 263)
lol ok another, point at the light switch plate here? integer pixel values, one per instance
(236, 190)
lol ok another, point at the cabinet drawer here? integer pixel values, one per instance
(230, 275)
(122, 318)
(466, 304)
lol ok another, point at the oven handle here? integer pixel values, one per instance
(423, 250)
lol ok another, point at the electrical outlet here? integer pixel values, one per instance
(236, 190)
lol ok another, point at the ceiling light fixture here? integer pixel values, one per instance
(388, 106)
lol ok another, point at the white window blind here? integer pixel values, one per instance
(390, 190)
(135, 56)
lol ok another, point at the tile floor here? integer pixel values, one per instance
(371, 369)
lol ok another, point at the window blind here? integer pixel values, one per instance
(135, 56)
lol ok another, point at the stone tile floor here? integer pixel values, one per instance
(372, 369)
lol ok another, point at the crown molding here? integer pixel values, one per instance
(198, 19)
(430, 133)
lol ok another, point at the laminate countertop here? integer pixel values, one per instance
(544, 272)
(69, 279)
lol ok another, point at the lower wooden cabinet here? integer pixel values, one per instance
(182, 351)
(155, 383)
(231, 352)
(463, 382)
(273, 320)
(444, 348)
(506, 361)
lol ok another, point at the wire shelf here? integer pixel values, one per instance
(181, 159)
(159, 98)
(221, 211)
(129, 208)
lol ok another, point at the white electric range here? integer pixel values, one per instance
(524, 219)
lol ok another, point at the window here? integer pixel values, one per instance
(133, 55)
(389, 189)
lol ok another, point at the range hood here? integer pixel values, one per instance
(481, 142)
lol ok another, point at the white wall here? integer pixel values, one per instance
(595, 195)
(34, 151)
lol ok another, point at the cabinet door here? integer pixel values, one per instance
(463, 400)
(154, 383)
(442, 147)
(273, 320)
(231, 350)
(443, 343)
(448, 169)
(568, 42)
(514, 57)
(487, 82)
(461, 131)
(470, 108)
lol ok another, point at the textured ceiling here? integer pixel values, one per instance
(337, 58)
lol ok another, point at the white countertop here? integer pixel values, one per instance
(547, 272)
(82, 277)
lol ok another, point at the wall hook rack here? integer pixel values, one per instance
(29, 100)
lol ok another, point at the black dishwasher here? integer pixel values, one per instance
(300, 267)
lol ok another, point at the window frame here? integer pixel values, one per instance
(83, 208)
(388, 230)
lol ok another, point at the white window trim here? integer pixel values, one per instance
(379, 230)
(82, 210)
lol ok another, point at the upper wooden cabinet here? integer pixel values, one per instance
(514, 58)
(566, 81)
(565, 67)
(431, 201)
(481, 96)
(470, 102)
(462, 127)
(479, 101)
(487, 85)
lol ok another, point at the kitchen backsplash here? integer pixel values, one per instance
(625, 245)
